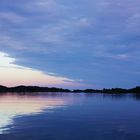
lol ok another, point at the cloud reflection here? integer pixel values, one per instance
(14, 105)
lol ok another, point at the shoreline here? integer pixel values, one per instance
(31, 89)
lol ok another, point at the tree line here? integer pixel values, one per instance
(54, 89)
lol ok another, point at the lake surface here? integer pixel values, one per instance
(68, 116)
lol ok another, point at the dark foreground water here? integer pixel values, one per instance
(63, 116)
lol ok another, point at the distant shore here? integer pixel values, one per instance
(54, 89)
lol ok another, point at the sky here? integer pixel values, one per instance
(72, 44)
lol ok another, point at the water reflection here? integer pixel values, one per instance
(135, 96)
(15, 105)
(86, 116)
(116, 96)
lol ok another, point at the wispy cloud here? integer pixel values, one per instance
(11, 17)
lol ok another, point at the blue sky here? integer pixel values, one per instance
(89, 43)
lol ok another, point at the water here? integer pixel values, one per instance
(67, 116)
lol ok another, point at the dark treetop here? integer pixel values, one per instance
(54, 89)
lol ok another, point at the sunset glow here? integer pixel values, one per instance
(13, 75)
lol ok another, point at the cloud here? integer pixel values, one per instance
(11, 17)
(28, 76)
(85, 41)
(83, 22)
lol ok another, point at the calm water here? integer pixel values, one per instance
(63, 116)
